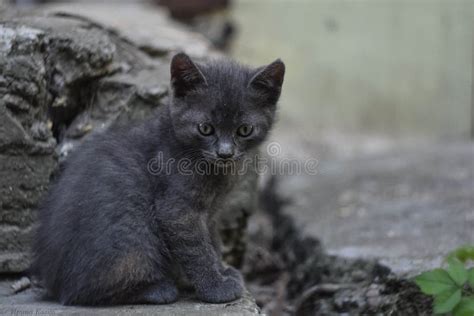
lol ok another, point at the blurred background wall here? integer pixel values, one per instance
(392, 68)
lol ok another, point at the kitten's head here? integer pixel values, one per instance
(221, 110)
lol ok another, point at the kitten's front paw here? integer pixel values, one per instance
(224, 291)
(232, 272)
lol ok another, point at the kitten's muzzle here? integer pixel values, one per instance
(225, 151)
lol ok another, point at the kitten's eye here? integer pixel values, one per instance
(205, 129)
(245, 130)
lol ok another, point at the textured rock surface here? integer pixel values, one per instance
(28, 303)
(144, 26)
(63, 76)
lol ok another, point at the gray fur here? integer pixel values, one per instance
(112, 232)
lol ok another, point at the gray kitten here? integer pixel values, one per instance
(114, 227)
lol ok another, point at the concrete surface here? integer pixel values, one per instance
(28, 303)
(408, 205)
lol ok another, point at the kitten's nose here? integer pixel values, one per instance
(225, 151)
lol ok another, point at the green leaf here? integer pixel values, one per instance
(435, 281)
(465, 307)
(457, 271)
(470, 278)
(463, 253)
(445, 302)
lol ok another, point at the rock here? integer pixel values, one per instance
(64, 76)
(28, 303)
(310, 281)
(143, 25)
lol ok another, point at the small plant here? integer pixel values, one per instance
(452, 288)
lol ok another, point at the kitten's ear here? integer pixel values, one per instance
(269, 79)
(185, 75)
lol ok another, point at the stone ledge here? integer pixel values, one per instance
(28, 303)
